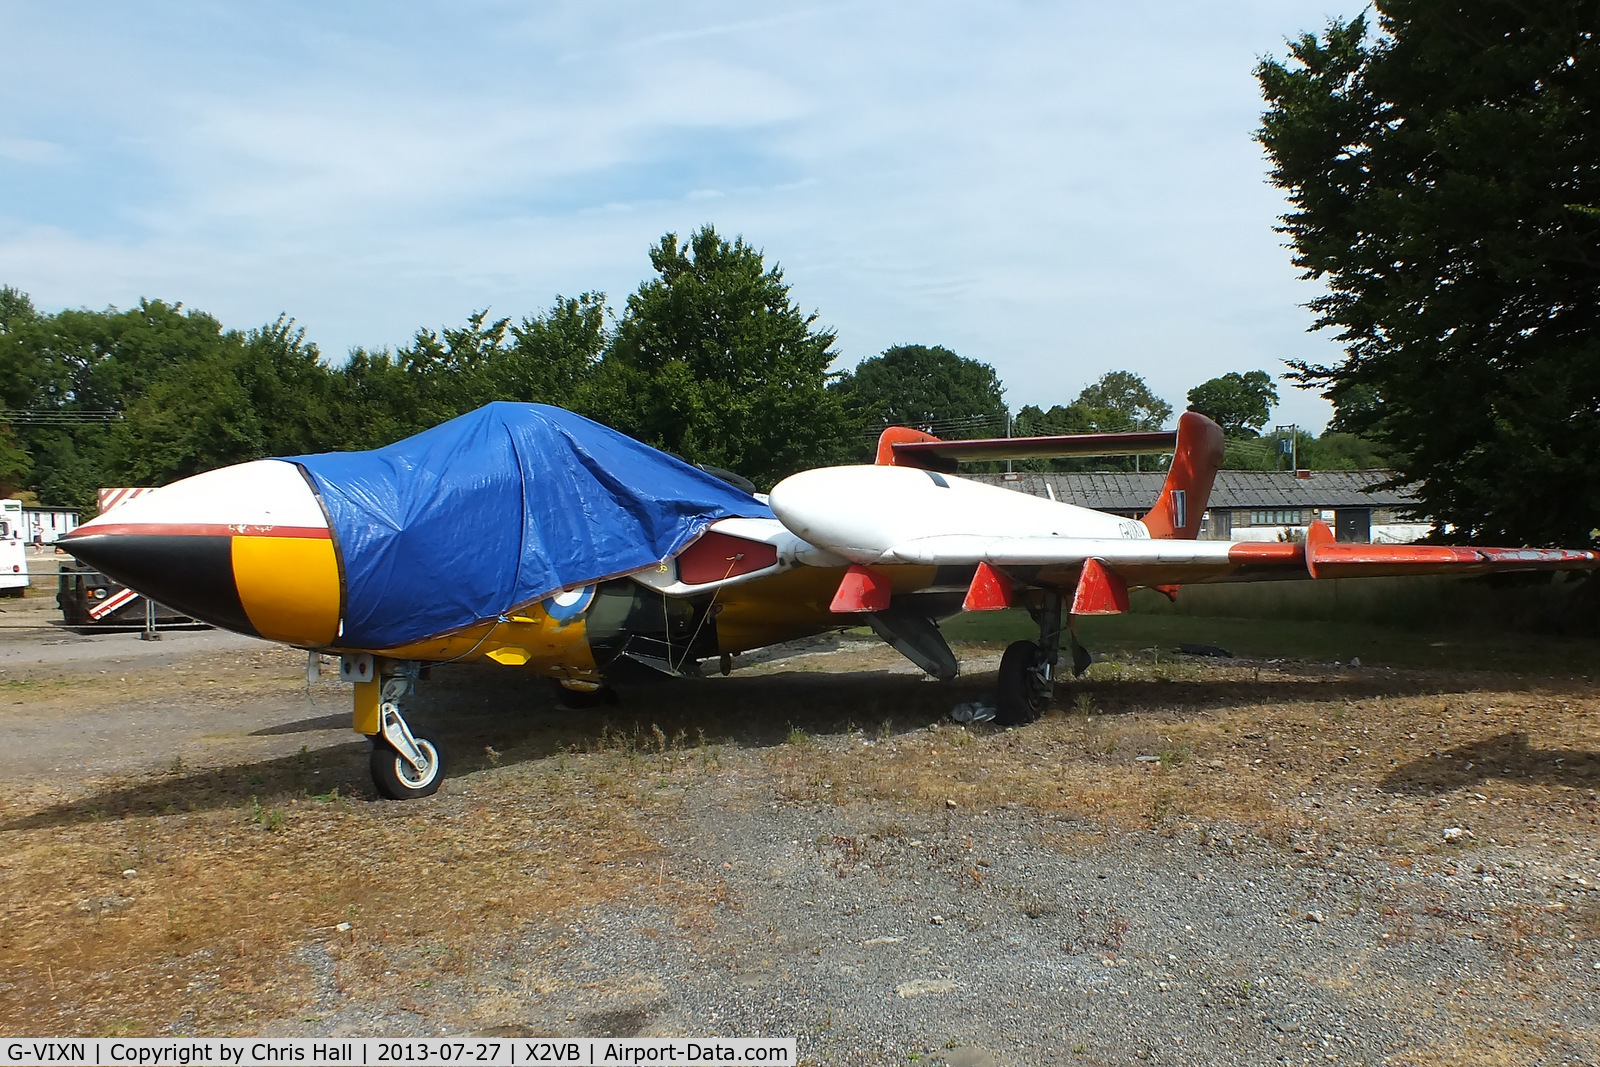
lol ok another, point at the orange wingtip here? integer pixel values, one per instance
(1318, 535)
(1179, 509)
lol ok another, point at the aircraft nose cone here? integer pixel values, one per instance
(246, 548)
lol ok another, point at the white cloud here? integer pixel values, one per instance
(1056, 189)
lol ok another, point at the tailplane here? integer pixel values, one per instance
(1195, 459)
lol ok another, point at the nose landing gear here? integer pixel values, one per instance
(407, 762)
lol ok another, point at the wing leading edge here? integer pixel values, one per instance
(1060, 561)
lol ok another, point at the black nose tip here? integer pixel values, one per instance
(191, 573)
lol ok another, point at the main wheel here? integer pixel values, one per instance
(1024, 692)
(394, 776)
(584, 699)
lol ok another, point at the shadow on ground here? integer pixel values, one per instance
(1505, 756)
(489, 716)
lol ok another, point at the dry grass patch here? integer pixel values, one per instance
(228, 908)
(1310, 758)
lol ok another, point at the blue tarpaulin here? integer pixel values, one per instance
(497, 508)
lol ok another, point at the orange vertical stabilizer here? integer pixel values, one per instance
(1195, 459)
(895, 435)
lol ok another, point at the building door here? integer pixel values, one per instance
(1217, 525)
(1353, 524)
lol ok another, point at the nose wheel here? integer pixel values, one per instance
(406, 763)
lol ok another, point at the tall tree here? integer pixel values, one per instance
(82, 364)
(257, 394)
(553, 356)
(932, 387)
(1120, 401)
(1240, 403)
(1444, 173)
(712, 360)
(20, 368)
(1034, 421)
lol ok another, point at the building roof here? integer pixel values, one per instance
(1128, 491)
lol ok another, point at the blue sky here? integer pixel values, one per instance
(1058, 189)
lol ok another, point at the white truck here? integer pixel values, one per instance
(13, 549)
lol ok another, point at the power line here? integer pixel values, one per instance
(59, 416)
(961, 424)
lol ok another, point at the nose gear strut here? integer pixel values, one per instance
(406, 762)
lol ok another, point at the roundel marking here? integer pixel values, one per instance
(568, 604)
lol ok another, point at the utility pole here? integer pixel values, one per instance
(1288, 446)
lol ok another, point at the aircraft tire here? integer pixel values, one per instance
(397, 779)
(1022, 697)
(584, 699)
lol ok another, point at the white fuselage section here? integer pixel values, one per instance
(262, 494)
(878, 514)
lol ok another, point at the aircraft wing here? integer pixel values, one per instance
(1182, 562)
(902, 511)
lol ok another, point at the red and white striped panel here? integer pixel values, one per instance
(111, 603)
(110, 498)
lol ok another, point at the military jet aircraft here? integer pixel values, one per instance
(534, 538)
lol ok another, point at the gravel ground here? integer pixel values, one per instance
(864, 933)
(913, 927)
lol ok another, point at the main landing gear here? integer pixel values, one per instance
(1028, 668)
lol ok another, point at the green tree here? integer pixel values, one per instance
(1335, 451)
(19, 369)
(453, 371)
(1444, 174)
(713, 361)
(376, 401)
(80, 364)
(927, 387)
(254, 395)
(20, 365)
(553, 357)
(1240, 403)
(291, 390)
(1033, 421)
(194, 419)
(15, 463)
(1120, 402)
